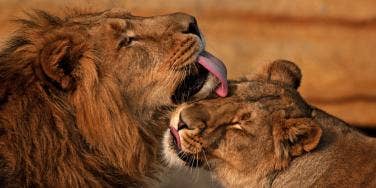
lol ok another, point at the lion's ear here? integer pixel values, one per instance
(295, 136)
(283, 71)
(57, 60)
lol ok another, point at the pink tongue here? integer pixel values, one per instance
(218, 69)
(176, 136)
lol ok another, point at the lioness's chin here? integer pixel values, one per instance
(175, 157)
(169, 152)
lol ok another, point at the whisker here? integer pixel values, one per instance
(198, 175)
(190, 165)
(206, 160)
(210, 170)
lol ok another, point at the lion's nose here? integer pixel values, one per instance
(188, 24)
(193, 28)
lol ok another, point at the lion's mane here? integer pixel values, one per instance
(50, 138)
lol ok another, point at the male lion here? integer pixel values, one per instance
(266, 135)
(82, 98)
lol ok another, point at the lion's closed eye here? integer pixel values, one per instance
(235, 126)
(126, 41)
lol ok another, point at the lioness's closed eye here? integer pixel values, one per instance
(266, 135)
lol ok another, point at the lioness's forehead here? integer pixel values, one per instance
(257, 89)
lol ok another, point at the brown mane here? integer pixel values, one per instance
(50, 138)
(84, 98)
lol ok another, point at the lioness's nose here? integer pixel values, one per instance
(193, 117)
(187, 23)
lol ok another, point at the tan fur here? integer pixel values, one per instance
(83, 99)
(266, 135)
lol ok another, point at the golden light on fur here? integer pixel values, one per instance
(266, 135)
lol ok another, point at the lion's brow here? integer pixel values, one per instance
(38, 18)
(118, 14)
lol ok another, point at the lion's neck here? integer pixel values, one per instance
(96, 144)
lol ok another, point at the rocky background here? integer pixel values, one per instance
(334, 42)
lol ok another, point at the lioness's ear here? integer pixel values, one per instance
(283, 71)
(295, 136)
(57, 60)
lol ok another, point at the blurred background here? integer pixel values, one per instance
(334, 42)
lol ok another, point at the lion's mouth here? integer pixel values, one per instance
(191, 85)
(208, 74)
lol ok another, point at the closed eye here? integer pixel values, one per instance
(240, 129)
(235, 126)
(126, 41)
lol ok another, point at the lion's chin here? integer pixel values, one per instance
(209, 86)
(196, 87)
(199, 84)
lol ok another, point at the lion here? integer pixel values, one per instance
(265, 135)
(84, 97)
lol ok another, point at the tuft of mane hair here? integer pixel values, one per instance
(50, 138)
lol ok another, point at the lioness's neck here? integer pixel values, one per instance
(260, 176)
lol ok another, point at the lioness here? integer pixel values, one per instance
(83, 97)
(266, 135)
